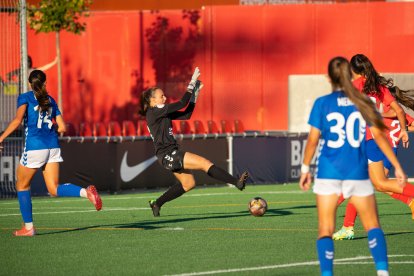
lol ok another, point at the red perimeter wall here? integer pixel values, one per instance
(245, 54)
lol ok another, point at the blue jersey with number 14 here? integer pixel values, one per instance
(38, 125)
(342, 154)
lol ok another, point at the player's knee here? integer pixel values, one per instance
(381, 185)
(206, 164)
(379, 188)
(188, 184)
(22, 186)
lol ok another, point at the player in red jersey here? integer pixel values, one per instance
(347, 230)
(406, 101)
(369, 82)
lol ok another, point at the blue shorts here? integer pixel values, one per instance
(374, 154)
(387, 163)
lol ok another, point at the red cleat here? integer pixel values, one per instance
(24, 232)
(94, 197)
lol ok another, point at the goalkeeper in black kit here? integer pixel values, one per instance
(159, 116)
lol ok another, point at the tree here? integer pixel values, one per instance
(173, 50)
(56, 16)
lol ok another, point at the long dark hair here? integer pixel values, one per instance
(37, 79)
(145, 99)
(340, 74)
(361, 65)
(404, 97)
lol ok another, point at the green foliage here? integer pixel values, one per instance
(58, 15)
(173, 50)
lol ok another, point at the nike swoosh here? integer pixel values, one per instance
(128, 173)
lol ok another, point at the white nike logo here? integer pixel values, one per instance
(128, 173)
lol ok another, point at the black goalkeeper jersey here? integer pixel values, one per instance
(159, 123)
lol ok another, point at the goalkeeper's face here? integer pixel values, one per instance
(158, 98)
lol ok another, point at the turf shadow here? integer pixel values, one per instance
(158, 223)
(66, 230)
(387, 234)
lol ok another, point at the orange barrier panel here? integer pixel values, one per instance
(245, 54)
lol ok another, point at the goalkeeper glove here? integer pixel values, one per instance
(194, 78)
(198, 86)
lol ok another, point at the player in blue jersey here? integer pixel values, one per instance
(42, 122)
(339, 121)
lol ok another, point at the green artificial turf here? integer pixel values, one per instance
(208, 231)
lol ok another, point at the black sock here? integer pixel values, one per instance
(220, 174)
(173, 192)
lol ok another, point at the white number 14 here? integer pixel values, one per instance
(43, 119)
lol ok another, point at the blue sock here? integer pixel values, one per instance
(67, 190)
(325, 248)
(25, 202)
(378, 247)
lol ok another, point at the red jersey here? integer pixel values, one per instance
(381, 100)
(395, 128)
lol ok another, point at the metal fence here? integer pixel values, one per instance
(13, 72)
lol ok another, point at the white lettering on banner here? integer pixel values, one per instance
(296, 156)
(7, 172)
(295, 172)
(297, 153)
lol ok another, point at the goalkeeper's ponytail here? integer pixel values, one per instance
(145, 100)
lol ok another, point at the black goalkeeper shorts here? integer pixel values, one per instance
(172, 161)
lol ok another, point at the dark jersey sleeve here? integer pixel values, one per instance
(183, 115)
(173, 107)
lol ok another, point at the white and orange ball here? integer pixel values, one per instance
(257, 206)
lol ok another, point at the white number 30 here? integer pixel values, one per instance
(346, 134)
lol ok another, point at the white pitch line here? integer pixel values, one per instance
(370, 263)
(353, 258)
(338, 261)
(148, 197)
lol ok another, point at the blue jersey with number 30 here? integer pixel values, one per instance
(342, 154)
(38, 125)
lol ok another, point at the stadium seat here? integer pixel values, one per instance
(185, 127)
(212, 127)
(128, 128)
(85, 130)
(226, 126)
(238, 126)
(142, 128)
(70, 130)
(114, 129)
(99, 130)
(199, 127)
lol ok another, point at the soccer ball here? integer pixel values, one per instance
(257, 206)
